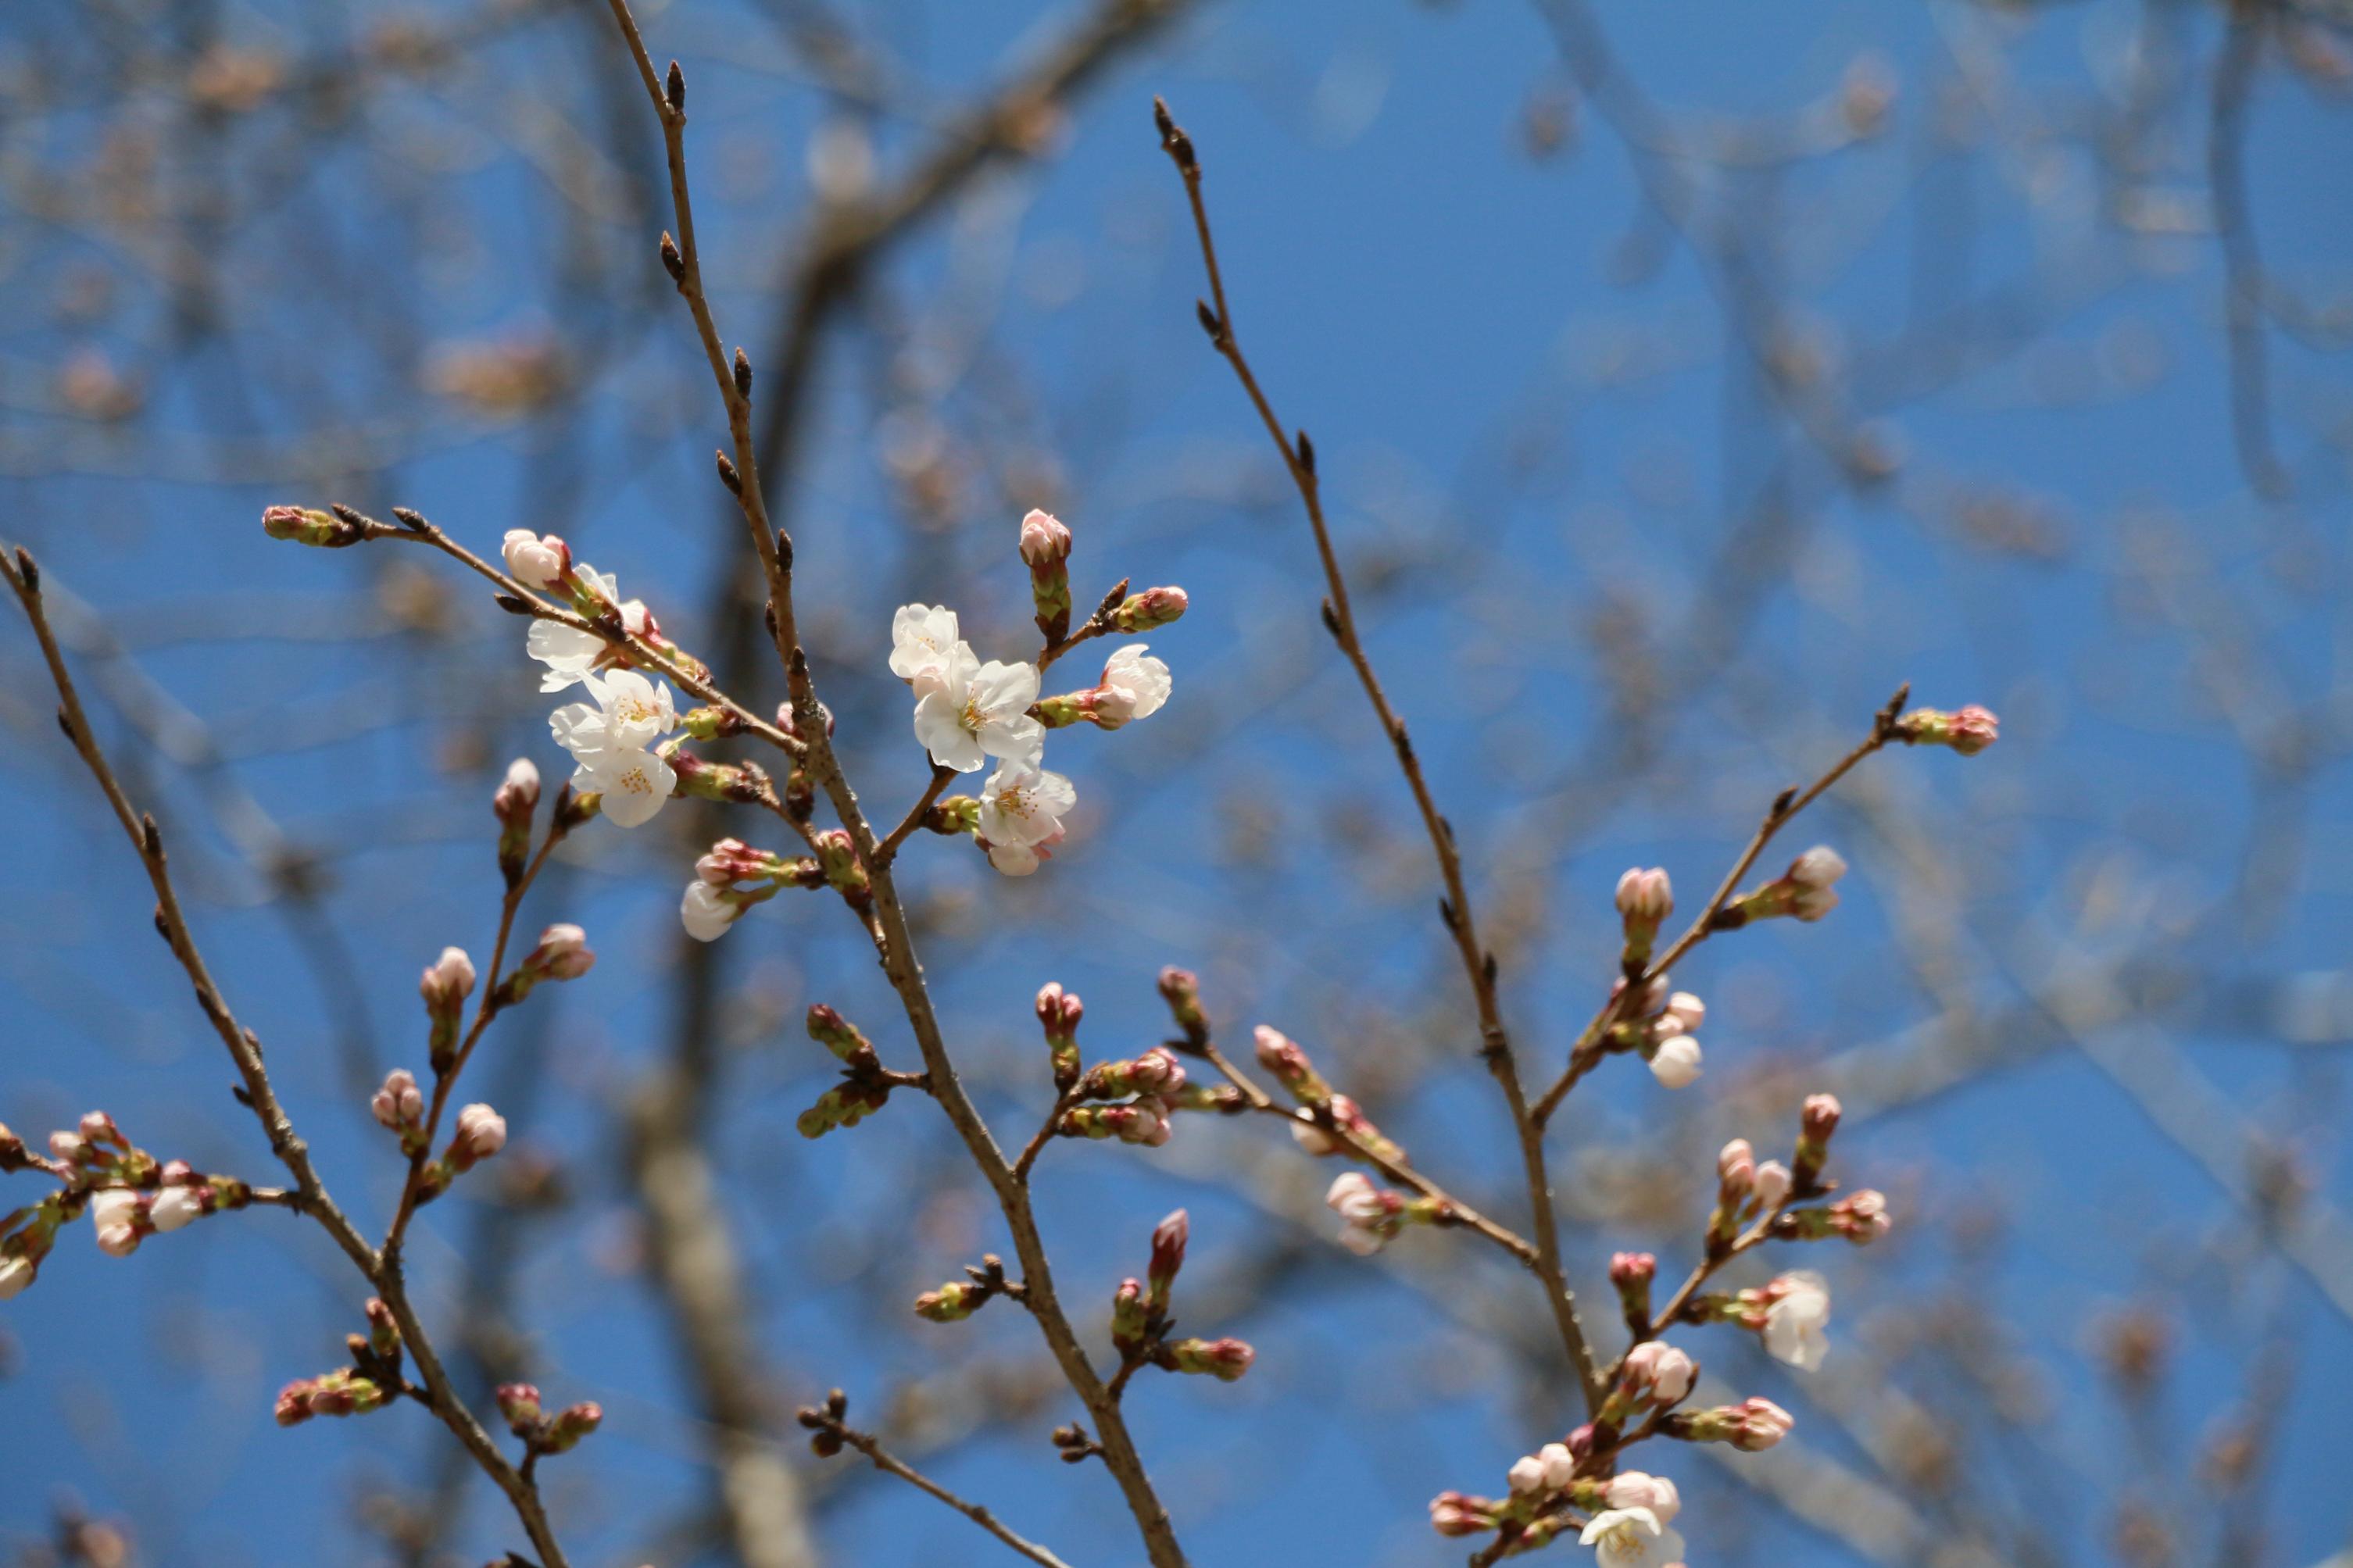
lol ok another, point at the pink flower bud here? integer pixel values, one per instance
(1044, 539)
(1645, 896)
(1772, 1188)
(1975, 729)
(1820, 1117)
(1527, 1474)
(1452, 1513)
(399, 1103)
(482, 1132)
(1819, 866)
(1633, 1489)
(1862, 1218)
(1735, 1168)
(518, 793)
(534, 561)
(1686, 1011)
(562, 954)
(1168, 1242)
(1224, 1360)
(98, 1127)
(519, 1404)
(448, 981)
(1633, 1268)
(1760, 1425)
(1153, 607)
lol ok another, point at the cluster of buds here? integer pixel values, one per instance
(515, 803)
(717, 897)
(1045, 551)
(960, 1298)
(343, 1391)
(1059, 1012)
(561, 953)
(1140, 1315)
(1968, 730)
(1373, 1216)
(1808, 890)
(1752, 1426)
(445, 985)
(480, 1133)
(125, 1216)
(1859, 1217)
(1143, 1120)
(1744, 1190)
(825, 1422)
(1157, 1074)
(1644, 900)
(542, 1433)
(1791, 1314)
(399, 1107)
(866, 1084)
(1073, 1444)
(1661, 1025)
(95, 1148)
(1654, 1375)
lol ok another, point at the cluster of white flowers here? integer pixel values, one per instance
(967, 712)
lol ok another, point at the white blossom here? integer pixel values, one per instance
(1633, 1489)
(1134, 686)
(924, 644)
(533, 562)
(114, 1215)
(631, 713)
(1797, 1325)
(1021, 860)
(706, 911)
(570, 653)
(1631, 1538)
(975, 711)
(634, 785)
(1675, 1063)
(173, 1207)
(1023, 804)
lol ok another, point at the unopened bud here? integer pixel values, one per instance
(1282, 1056)
(1168, 1242)
(1224, 1360)
(1968, 730)
(1182, 991)
(1059, 1013)
(534, 561)
(1153, 607)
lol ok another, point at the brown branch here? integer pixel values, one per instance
(868, 1445)
(1785, 808)
(895, 944)
(245, 1050)
(941, 777)
(1339, 618)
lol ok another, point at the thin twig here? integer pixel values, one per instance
(245, 1050)
(1339, 618)
(890, 1463)
(941, 777)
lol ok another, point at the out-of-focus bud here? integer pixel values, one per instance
(1633, 1489)
(482, 1132)
(1631, 1274)
(1224, 1360)
(1683, 1014)
(1736, 1169)
(115, 1216)
(1816, 1123)
(12, 1151)
(1156, 1072)
(1153, 607)
(1675, 1061)
(1645, 898)
(384, 1333)
(1453, 1513)
(534, 561)
(1753, 1425)
(1806, 891)
(1168, 1242)
(836, 1033)
(1046, 549)
(952, 1302)
(1282, 1056)
(1144, 1122)
(1968, 730)
(572, 1423)
(519, 1404)
(562, 954)
(1182, 991)
(514, 804)
(1772, 1188)
(1059, 1012)
(447, 983)
(306, 525)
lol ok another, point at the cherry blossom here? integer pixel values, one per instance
(707, 911)
(1675, 1062)
(1631, 1538)
(973, 712)
(632, 785)
(535, 562)
(1022, 806)
(1796, 1319)
(924, 645)
(631, 713)
(114, 1215)
(1134, 686)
